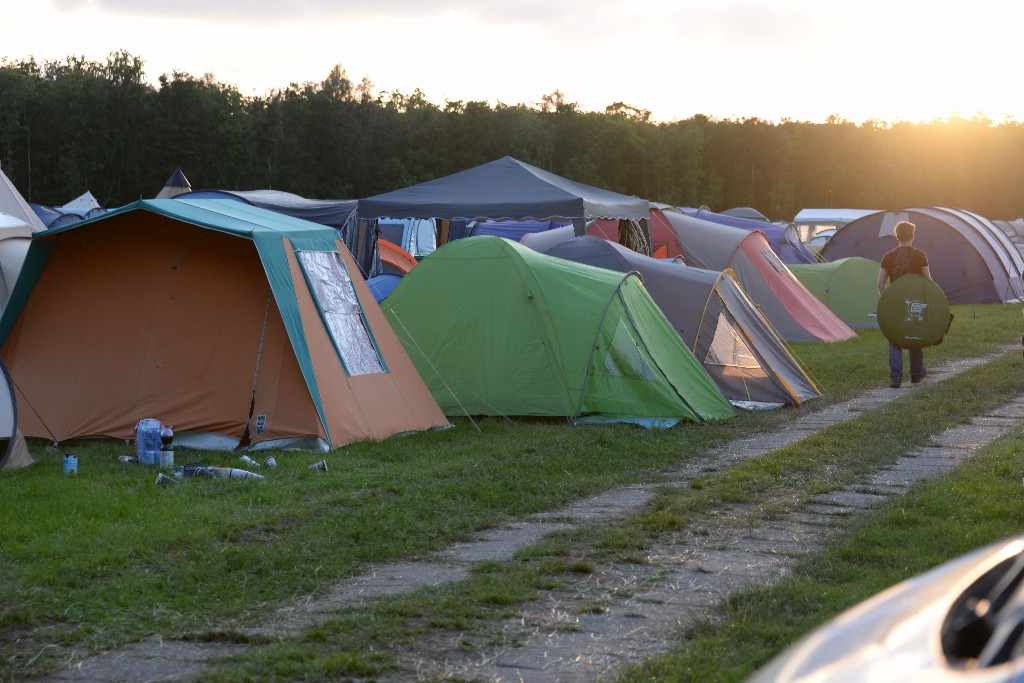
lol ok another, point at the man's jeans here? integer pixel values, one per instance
(896, 364)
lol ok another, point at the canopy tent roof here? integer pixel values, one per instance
(833, 217)
(716, 319)
(503, 189)
(970, 258)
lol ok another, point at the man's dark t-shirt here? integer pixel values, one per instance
(904, 260)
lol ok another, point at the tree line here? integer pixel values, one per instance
(75, 125)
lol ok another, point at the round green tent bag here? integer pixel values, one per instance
(913, 313)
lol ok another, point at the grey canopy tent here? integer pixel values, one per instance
(506, 189)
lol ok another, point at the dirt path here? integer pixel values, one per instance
(642, 606)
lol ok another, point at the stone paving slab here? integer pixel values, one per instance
(504, 543)
(851, 499)
(152, 660)
(827, 510)
(967, 436)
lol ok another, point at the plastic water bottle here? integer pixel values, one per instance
(147, 441)
(70, 463)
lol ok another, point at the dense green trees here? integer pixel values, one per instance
(74, 125)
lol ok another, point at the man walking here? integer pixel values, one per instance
(905, 259)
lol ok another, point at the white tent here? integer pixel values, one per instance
(13, 449)
(82, 204)
(17, 223)
(13, 204)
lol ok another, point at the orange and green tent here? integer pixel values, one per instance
(239, 326)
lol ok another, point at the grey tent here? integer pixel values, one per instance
(795, 313)
(712, 314)
(506, 189)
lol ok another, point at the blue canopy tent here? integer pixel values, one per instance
(783, 238)
(505, 189)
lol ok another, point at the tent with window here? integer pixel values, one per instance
(712, 314)
(971, 259)
(848, 286)
(239, 326)
(795, 313)
(505, 189)
(498, 329)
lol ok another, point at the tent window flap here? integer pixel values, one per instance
(335, 296)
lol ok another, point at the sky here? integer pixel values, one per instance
(801, 60)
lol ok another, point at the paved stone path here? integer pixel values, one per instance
(642, 606)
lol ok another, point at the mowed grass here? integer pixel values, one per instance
(105, 557)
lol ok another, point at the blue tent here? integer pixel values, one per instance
(382, 285)
(970, 258)
(783, 238)
(515, 230)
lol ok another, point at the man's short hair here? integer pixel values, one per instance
(905, 231)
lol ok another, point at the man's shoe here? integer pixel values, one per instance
(894, 385)
(915, 380)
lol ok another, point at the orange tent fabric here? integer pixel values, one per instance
(393, 255)
(169, 310)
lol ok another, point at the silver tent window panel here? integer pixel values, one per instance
(729, 350)
(332, 288)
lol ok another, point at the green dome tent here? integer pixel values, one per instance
(498, 329)
(848, 286)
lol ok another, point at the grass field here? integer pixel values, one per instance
(105, 557)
